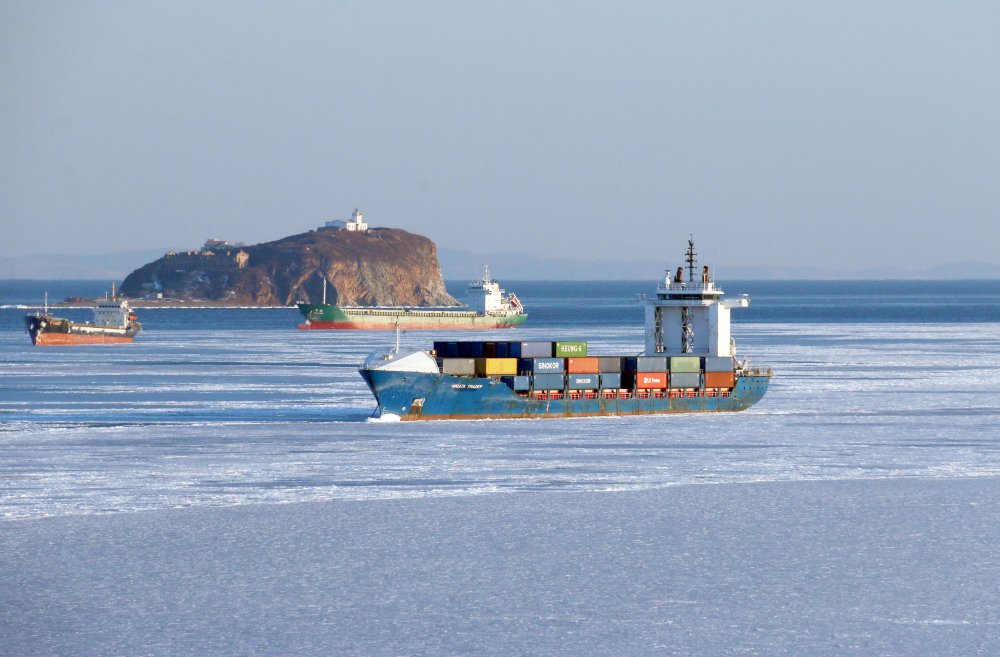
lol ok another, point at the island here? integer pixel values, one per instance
(361, 266)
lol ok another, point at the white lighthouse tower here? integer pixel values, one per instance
(690, 318)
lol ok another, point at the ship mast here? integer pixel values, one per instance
(690, 258)
(687, 323)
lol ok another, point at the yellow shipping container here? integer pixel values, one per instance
(496, 366)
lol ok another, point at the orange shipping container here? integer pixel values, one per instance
(720, 379)
(650, 380)
(583, 365)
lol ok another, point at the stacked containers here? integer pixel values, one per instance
(719, 372)
(582, 373)
(646, 372)
(610, 368)
(685, 372)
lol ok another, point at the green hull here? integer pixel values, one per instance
(320, 316)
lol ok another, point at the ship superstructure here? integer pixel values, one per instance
(689, 365)
(489, 307)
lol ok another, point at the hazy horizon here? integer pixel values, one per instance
(839, 137)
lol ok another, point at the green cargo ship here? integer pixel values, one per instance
(490, 307)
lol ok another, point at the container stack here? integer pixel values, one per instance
(565, 367)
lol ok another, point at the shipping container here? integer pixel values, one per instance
(629, 364)
(583, 365)
(516, 383)
(685, 364)
(530, 350)
(458, 366)
(611, 380)
(548, 382)
(610, 363)
(581, 381)
(567, 349)
(503, 350)
(718, 364)
(495, 366)
(685, 379)
(649, 380)
(489, 350)
(444, 349)
(651, 364)
(720, 379)
(470, 349)
(542, 365)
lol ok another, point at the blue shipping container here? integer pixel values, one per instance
(549, 382)
(470, 349)
(581, 381)
(542, 365)
(516, 383)
(531, 350)
(611, 380)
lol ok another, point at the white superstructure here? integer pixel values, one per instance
(690, 317)
(112, 312)
(488, 298)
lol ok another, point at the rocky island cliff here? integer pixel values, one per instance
(377, 266)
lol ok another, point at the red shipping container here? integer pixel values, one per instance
(650, 380)
(588, 365)
(720, 379)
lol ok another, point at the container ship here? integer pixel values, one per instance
(114, 322)
(689, 365)
(490, 307)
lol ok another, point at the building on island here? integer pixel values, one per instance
(356, 223)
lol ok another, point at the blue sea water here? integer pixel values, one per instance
(223, 446)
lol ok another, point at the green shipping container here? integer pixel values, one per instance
(685, 364)
(570, 349)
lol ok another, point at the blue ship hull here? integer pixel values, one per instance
(426, 396)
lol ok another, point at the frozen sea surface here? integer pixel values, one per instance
(210, 418)
(220, 492)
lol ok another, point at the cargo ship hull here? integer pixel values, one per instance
(326, 317)
(427, 396)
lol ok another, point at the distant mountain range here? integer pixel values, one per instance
(521, 266)
(505, 266)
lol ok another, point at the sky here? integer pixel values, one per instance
(844, 135)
